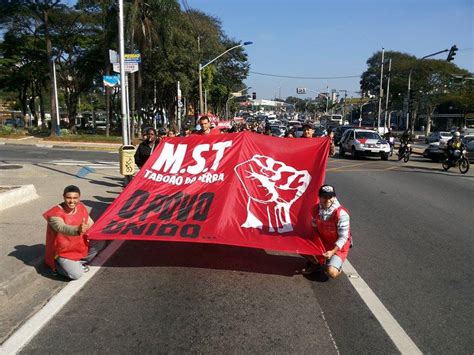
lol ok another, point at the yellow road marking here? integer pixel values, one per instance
(345, 166)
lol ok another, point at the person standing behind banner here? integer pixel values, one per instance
(332, 223)
(146, 147)
(308, 130)
(67, 249)
(206, 127)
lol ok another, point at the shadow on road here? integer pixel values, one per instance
(97, 207)
(92, 181)
(204, 256)
(33, 255)
(438, 171)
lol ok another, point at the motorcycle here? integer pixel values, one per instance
(459, 160)
(404, 152)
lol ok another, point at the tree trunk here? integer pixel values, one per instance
(42, 113)
(108, 111)
(31, 105)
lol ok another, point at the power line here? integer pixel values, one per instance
(187, 10)
(306, 77)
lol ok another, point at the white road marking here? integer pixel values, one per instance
(399, 337)
(90, 164)
(27, 331)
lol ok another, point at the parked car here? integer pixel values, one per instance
(437, 136)
(363, 142)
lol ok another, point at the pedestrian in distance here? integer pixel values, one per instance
(332, 147)
(67, 249)
(331, 223)
(146, 148)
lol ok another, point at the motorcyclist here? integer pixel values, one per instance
(405, 139)
(454, 144)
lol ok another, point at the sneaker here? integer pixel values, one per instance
(311, 268)
(85, 268)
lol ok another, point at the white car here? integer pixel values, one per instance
(438, 136)
(363, 142)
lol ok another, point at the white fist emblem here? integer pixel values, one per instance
(275, 185)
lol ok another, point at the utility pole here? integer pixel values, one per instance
(344, 106)
(381, 90)
(388, 92)
(179, 107)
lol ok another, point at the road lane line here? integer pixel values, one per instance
(399, 337)
(27, 331)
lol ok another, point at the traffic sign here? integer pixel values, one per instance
(301, 91)
(133, 58)
(129, 67)
(360, 119)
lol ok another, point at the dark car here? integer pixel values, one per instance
(434, 152)
(469, 142)
(338, 132)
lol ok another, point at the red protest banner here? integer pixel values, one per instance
(241, 189)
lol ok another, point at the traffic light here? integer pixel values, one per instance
(254, 96)
(452, 53)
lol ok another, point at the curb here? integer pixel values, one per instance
(17, 195)
(62, 145)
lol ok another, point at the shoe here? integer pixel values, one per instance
(54, 273)
(85, 268)
(311, 268)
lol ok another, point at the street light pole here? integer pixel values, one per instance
(201, 67)
(409, 83)
(201, 102)
(123, 94)
(360, 113)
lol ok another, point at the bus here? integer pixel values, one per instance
(332, 120)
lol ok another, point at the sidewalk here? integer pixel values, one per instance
(26, 285)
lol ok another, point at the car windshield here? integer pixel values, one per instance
(445, 134)
(367, 135)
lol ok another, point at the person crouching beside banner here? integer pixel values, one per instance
(67, 249)
(332, 222)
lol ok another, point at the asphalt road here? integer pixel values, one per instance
(412, 227)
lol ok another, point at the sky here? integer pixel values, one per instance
(314, 38)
